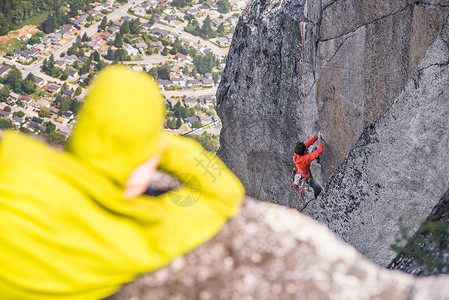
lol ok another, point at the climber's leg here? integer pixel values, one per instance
(315, 186)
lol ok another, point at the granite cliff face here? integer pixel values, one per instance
(377, 86)
(359, 56)
(399, 167)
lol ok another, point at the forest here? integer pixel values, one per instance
(13, 13)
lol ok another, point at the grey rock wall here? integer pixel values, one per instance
(359, 56)
(250, 92)
(399, 167)
(271, 252)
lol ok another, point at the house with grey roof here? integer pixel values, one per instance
(191, 120)
(14, 96)
(64, 32)
(159, 32)
(25, 55)
(146, 26)
(17, 121)
(206, 119)
(163, 83)
(192, 82)
(179, 81)
(4, 69)
(40, 82)
(113, 29)
(73, 74)
(46, 40)
(170, 19)
(70, 59)
(53, 88)
(41, 103)
(207, 81)
(33, 126)
(141, 45)
(191, 11)
(67, 92)
(190, 102)
(4, 114)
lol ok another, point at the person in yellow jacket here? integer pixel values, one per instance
(75, 224)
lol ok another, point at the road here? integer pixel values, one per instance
(36, 68)
(148, 60)
(196, 94)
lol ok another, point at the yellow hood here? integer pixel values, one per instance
(120, 123)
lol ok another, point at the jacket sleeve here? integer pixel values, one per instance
(314, 154)
(311, 141)
(210, 195)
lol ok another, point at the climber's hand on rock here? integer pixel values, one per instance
(140, 177)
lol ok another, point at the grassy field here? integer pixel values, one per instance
(12, 45)
(36, 20)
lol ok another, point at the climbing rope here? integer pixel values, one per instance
(303, 75)
(280, 100)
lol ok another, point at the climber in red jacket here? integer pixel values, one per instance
(302, 161)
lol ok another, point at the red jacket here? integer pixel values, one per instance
(302, 162)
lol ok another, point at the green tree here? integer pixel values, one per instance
(85, 38)
(78, 91)
(37, 120)
(95, 56)
(165, 51)
(101, 65)
(150, 51)
(30, 77)
(196, 124)
(134, 26)
(208, 141)
(4, 93)
(51, 62)
(78, 41)
(124, 29)
(85, 68)
(120, 55)
(80, 53)
(49, 25)
(153, 72)
(72, 50)
(178, 123)
(56, 138)
(224, 6)
(118, 42)
(50, 127)
(14, 80)
(221, 29)
(44, 112)
(28, 87)
(65, 75)
(216, 77)
(104, 23)
(110, 54)
(19, 114)
(5, 124)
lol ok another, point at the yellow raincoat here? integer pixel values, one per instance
(66, 230)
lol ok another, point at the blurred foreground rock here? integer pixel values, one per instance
(272, 252)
